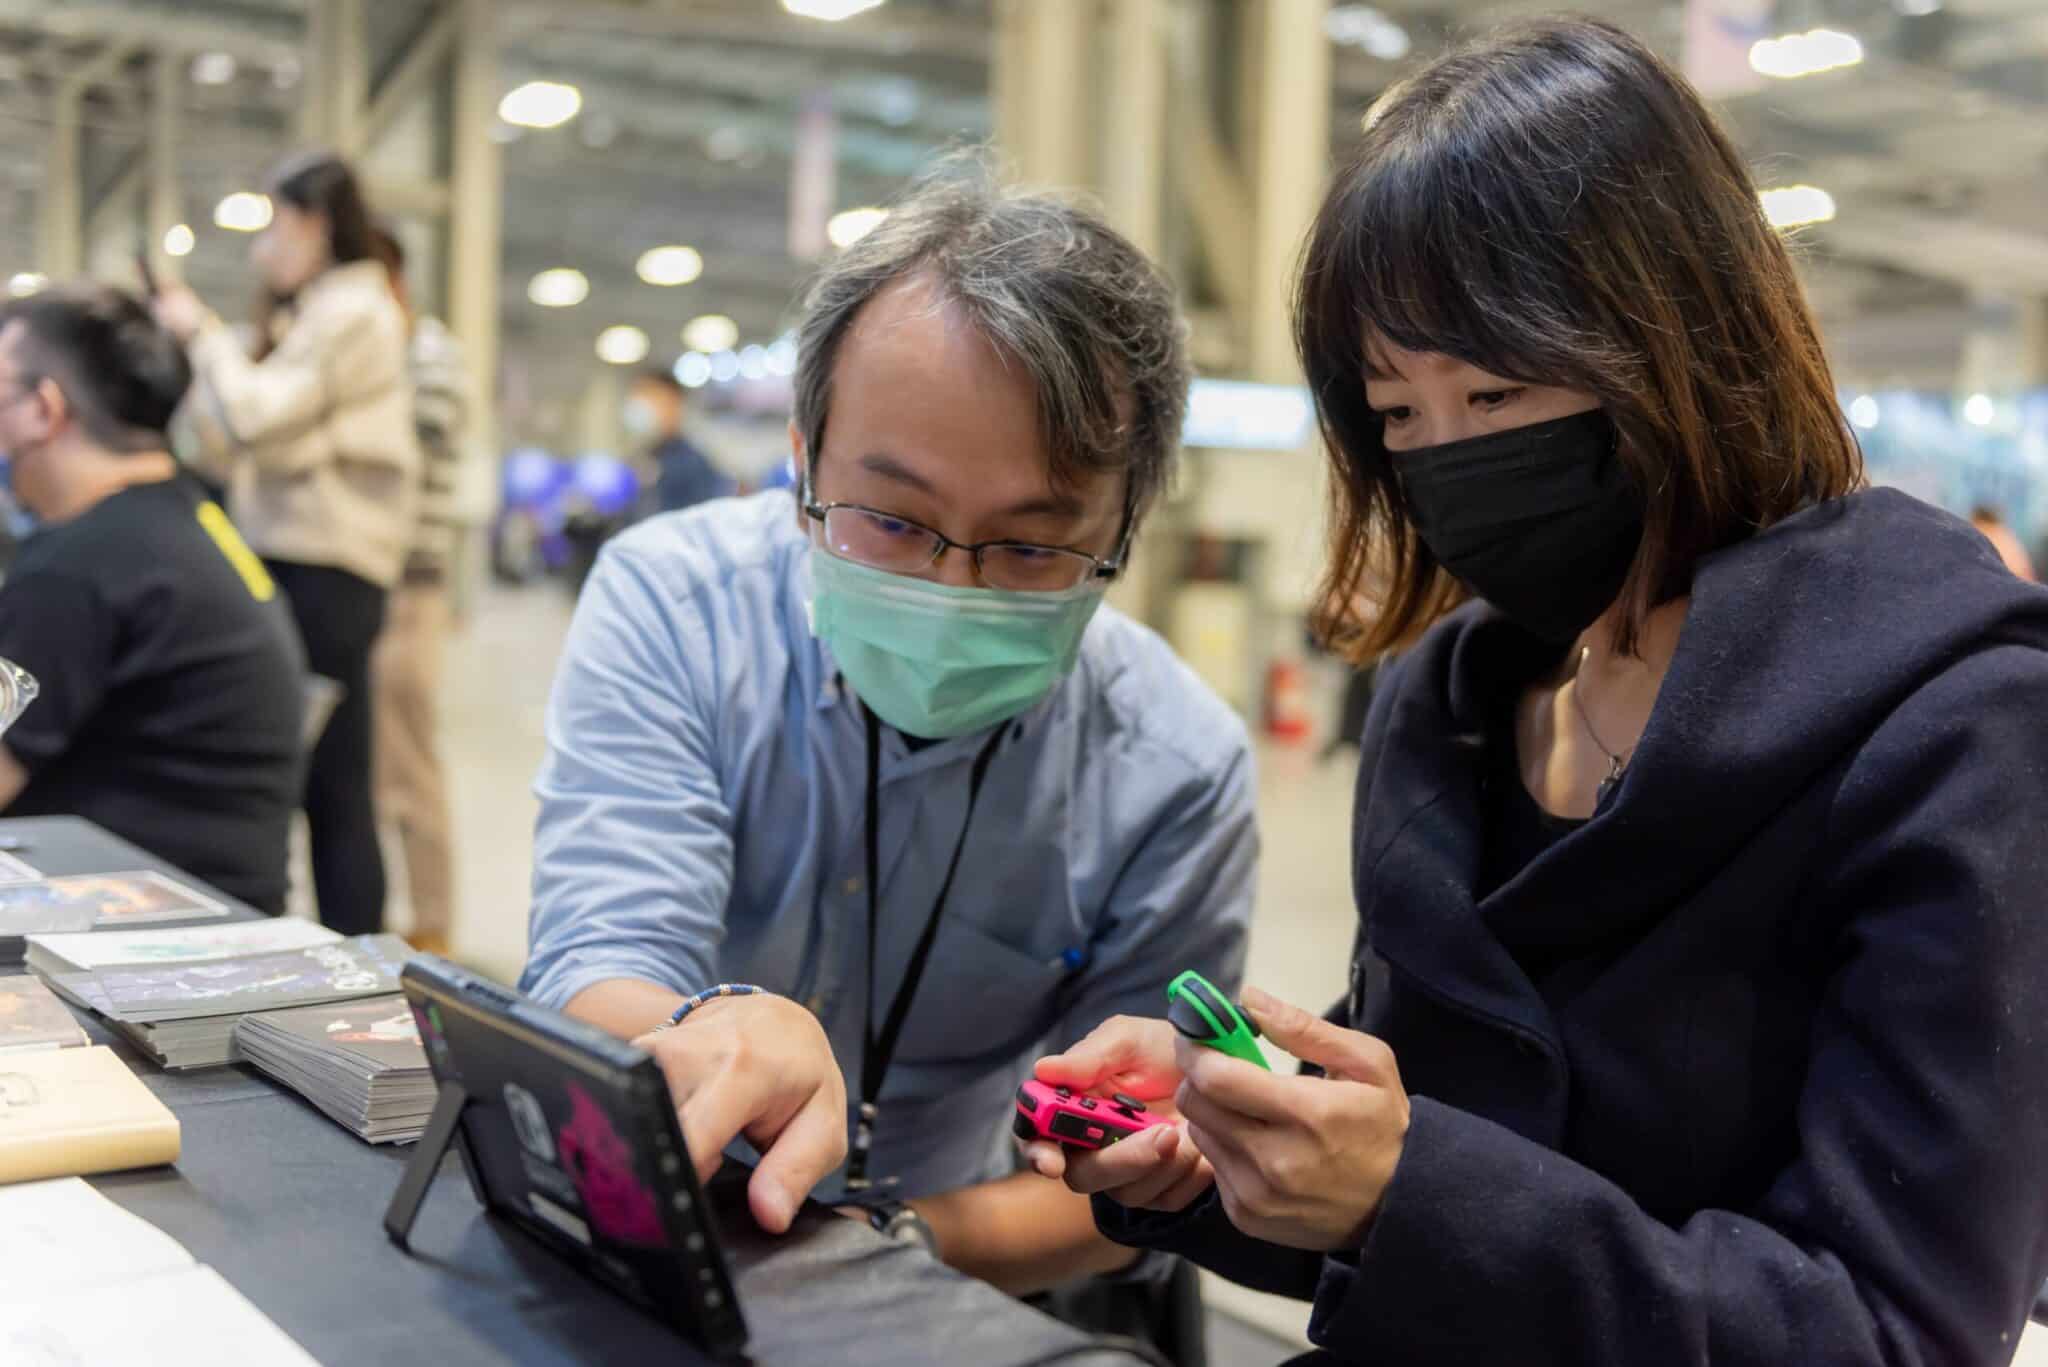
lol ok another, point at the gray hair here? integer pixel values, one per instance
(1047, 283)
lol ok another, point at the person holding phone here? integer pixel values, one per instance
(1696, 1003)
(313, 431)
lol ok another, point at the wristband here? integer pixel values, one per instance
(708, 994)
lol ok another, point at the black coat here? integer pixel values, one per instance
(1786, 1100)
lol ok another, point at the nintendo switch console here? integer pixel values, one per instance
(570, 1135)
(1079, 1122)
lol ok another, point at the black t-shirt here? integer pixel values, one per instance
(171, 685)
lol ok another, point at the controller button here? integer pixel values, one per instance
(1064, 1093)
(1087, 1103)
(1129, 1103)
(1095, 1132)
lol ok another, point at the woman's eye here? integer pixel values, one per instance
(1396, 414)
(1495, 398)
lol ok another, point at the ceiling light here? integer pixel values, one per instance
(179, 240)
(1863, 411)
(849, 227)
(754, 363)
(1790, 206)
(540, 104)
(622, 344)
(1805, 54)
(831, 11)
(24, 283)
(712, 332)
(1979, 410)
(560, 288)
(725, 143)
(725, 367)
(1919, 9)
(213, 68)
(1365, 28)
(243, 212)
(670, 265)
(782, 356)
(693, 370)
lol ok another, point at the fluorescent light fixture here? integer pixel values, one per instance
(754, 363)
(540, 104)
(24, 283)
(179, 240)
(1978, 410)
(670, 265)
(622, 344)
(693, 370)
(1789, 206)
(849, 227)
(782, 356)
(560, 288)
(1863, 411)
(831, 11)
(1805, 54)
(711, 332)
(213, 68)
(244, 211)
(1919, 9)
(725, 367)
(1231, 415)
(1365, 28)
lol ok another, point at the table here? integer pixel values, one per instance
(288, 1207)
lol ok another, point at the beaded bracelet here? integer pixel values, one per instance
(708, 994)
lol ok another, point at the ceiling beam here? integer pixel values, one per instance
(756, 24)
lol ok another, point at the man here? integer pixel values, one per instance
(879, 753)
(412, 785)
(683, 475)
(171, 676)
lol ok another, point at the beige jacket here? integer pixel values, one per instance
(315, 441)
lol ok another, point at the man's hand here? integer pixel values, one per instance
(1155, 1169)
(757, 1066)
(1298, 1161)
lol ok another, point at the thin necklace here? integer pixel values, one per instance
(1616, 763)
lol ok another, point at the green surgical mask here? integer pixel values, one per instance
(935, 661)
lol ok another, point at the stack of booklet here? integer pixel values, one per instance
(87, 902)
(183, 1014)
(360, 1061)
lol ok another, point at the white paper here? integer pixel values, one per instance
(177, 1319)
(62, 1237)
(106, 948)
(2033, 1348)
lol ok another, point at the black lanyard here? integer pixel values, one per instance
(877, 1052)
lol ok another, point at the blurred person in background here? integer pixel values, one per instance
(653, 415)
(1999, 533)
(411, 782)
(169, 668)
(314, 434)
(1696, 1001)
(881, 751)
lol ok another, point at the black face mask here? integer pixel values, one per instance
(1541, 521)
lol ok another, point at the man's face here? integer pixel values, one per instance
(931, 423)
(27, 423)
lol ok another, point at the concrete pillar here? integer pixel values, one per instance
(337, 76)
(164, 204)
(1134, 124)
(2006, 348)
(60, 251)
(1289, 161)
(476, 210)
(1042, 91)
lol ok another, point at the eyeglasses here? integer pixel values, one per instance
(884, 541)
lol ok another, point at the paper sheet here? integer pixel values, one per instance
(176, 1319)
(63, 1237)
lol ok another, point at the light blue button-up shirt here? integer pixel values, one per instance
(702, 820)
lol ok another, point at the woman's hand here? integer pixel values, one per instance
(1298, 1161)
(1155, 1169)
(178, 311)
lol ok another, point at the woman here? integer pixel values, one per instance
(1695, 1012)
(315, 435)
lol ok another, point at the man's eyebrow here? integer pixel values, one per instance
(889, 468)
(1047, 505)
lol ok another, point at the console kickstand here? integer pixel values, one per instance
(426, 1161)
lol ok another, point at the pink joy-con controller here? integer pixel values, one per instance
(1079, 1122)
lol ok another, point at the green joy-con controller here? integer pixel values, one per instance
(1209, 1018)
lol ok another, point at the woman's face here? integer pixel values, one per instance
(292, 250)
(1426, 399)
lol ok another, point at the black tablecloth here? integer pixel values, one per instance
(288, 1207)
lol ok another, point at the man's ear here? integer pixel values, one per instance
(56, 404)
(798, 455)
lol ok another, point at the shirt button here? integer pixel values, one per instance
(850, 886)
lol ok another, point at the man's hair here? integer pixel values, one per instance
(1053, 288)
(660, 379)
(122, 374)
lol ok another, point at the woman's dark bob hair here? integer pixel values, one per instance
(1555, 205)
